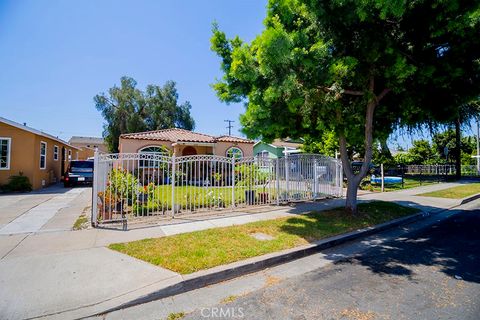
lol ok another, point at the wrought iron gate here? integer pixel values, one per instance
(138, 185)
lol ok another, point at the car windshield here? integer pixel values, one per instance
(81, 166)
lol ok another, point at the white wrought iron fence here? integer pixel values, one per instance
(137, 185)
(435, 169)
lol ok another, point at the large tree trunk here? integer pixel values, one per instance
(352, 191)
(354, 180)
(458, 152)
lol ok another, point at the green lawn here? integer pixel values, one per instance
(190, 252)
(408, 183)
(455, 192)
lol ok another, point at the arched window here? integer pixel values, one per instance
(234, 152)
(160, 150)
(154, 149)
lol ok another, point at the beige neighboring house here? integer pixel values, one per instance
(182, 142)
(87, 146)
(41, 157)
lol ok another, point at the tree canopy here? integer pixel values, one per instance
(357, 68)
(127, 109)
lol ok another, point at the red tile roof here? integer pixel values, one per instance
(233, 139)
(181, 135)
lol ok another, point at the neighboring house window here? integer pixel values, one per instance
(5, 153)
(55, 153)
(234, 152)
(69, 155)
(155, 150)
(43, 155)
(263, 154)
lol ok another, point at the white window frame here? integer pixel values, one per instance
(148, 164)
(263, 154)
(69, 153)
(9, 152)
(55, 153)
(44, 156)
(234, 147)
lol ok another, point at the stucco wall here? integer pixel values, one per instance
(25, 157)
(222, 147)
(88, 149)
(21, 152)
(134, 145)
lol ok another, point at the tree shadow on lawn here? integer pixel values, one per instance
(452, 246)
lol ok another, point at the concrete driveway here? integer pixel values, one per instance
(51, 209)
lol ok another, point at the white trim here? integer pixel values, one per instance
(141, 162)
(55, 152)
(194, 144)
(9, 152)
(154, 146)
(69, 155)
(234, 147)
(263, 154)
(45, 156)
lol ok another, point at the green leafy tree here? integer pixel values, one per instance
(447, 139)
(421, 152)
(127, 109)
(326, 145)
(349, 67)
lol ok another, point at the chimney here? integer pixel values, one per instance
(25, 124)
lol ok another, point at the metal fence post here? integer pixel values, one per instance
(277, 179)
(315, 178)
(287, 189)
(337, 176)
(383, 177)
(340, 183)
(173, 185)
(94, 216)
(233, 182)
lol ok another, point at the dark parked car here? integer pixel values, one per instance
(79, 172)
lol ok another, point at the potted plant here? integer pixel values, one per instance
(263, 179)
(109, 203)
(246, 177)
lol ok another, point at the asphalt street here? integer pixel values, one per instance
(433, 273)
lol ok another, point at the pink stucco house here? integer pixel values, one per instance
(182, 142)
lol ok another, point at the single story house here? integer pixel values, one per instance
(277, 148)
(87, 146)
(41, 157)
(182, 142)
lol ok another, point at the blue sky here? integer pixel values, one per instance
(56, 55)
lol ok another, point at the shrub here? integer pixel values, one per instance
(19, 183)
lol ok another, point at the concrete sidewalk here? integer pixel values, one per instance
(69, 274)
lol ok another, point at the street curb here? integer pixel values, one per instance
(219, 274)
(469, 199)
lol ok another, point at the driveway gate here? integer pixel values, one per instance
(131, 186)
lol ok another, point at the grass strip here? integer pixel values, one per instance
(189, 252)
(459, 192)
